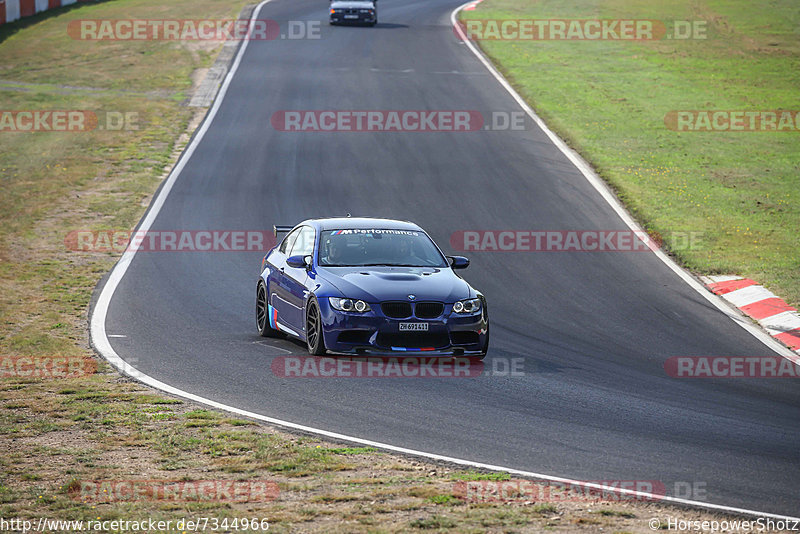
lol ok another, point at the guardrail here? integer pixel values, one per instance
(11, 10)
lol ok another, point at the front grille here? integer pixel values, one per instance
(396, 310)
(413, 340)
(428, 310)
(464, 338)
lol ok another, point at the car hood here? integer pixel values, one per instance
(379, 284)
(352, 5)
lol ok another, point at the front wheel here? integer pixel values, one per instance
(314, 338)
(262, 313)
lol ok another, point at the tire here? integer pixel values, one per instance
(314, 338)
(262, 319)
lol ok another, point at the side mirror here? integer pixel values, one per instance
(299, 261)
(458, 262)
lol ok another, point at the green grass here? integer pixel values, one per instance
(433, 522)
(352, 450)
(444, 499)
(544, 508)
(608, 99)
(55, 182)
(476, 475)
(615, 513)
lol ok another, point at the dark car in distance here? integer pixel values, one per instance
(354, 12)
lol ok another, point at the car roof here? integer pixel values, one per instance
(353, 223)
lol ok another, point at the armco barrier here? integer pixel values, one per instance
(11, 10)
(27, 8)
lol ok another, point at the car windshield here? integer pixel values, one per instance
(378, 247)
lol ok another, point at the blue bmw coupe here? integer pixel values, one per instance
(369, 286)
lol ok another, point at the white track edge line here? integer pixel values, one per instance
(609, 197)
(103, 346)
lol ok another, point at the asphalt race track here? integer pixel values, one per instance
(594, 329)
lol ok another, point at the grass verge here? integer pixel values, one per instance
(739, 191)
(58, 434)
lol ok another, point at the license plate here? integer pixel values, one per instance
(414, 327)
(351, 16)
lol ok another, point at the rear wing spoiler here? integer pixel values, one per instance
(277, 229)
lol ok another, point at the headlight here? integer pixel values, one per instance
(349, 305)
(366, 11)
(467, 306)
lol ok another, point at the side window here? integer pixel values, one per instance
(286, 246)
(304, 246)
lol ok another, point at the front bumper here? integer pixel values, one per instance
(374, 333)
